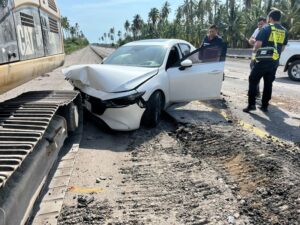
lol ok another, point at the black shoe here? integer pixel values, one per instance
(249, 108)
(264, 108)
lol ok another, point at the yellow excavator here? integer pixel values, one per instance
(34, 125)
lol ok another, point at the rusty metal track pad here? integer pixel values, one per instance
(23, 122)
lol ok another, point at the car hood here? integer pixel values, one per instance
(109, 78)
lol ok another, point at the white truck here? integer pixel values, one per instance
(290, 59)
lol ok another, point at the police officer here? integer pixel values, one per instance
(261, 22)
(275, 37)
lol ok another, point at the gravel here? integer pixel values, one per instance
(200, 174)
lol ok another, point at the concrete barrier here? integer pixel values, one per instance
(239, 53)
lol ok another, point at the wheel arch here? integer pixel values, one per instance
(163, 96)
(291, 59)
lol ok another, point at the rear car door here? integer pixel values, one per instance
(8, 37)
(201, 81)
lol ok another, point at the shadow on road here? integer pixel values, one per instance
(96, 135)
(286, 80)
(280, 124)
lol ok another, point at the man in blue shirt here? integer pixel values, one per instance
(274, 36)
(212, 38)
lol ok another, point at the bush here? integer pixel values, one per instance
(74, 44)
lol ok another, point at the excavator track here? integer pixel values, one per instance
(23, 122)
(33, 128)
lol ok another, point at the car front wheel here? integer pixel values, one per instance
(153, 110)
(294, 71)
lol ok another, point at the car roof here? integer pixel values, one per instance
(160, 42)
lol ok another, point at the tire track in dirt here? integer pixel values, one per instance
(164, 185)
(262, 174)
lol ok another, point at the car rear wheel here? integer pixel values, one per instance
(294, 71)
(153, 110)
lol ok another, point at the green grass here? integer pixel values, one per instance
(74, 44)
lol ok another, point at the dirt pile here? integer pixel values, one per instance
(86, 212)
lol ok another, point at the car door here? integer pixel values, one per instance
(202, 80)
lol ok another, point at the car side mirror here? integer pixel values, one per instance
(185, 64)
(103, 60)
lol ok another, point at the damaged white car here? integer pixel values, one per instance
(140, 79)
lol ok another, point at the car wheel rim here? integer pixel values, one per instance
(295, 71)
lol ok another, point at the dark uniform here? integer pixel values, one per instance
(215, 41)
(266, 69)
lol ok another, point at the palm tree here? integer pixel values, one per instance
(65, 25)
(81, 34)
(165, 11)
(112, 38)
(234, 19)
(127, 27)
(105, 36)
(291, 17)
(268, 5)
(248, 4)
(119, 34)
(72, 31)
(112, 33)
(200, 12)
(77, 29)
(187, 10)
(209, 10)
(153, 17)
(163, 22)
(136, 26)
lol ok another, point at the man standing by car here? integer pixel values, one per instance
(212, 37)
(270, 42)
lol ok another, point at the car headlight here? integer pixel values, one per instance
(135, 98)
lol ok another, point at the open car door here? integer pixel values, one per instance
(199, 75)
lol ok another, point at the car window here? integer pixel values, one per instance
(174, 57)
(138, 55)
(185, 49)
(206, 54)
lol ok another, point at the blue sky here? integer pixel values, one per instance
(97, 16)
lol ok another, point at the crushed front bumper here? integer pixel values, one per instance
(123, 119)
(118, 117)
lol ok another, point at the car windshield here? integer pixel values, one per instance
(138, 55)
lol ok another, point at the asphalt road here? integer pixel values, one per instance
(283, 118)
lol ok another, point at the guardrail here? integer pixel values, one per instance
(101, 51)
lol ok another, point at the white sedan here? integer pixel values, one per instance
(140, 79)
